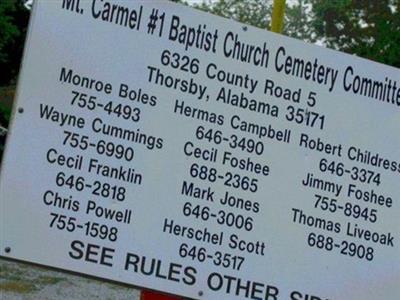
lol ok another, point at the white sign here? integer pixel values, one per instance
(167, 148)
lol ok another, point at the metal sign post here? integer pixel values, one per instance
(278, 14)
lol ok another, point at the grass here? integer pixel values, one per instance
(20, 287)
(6, 99)
(13, 280)
(47, 280)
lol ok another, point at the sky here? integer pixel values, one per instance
(288, 2)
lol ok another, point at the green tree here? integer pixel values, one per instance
(367, 28)
(370, 29)
(252, 12)
(297, 22)
(258, 13)
(13, 25)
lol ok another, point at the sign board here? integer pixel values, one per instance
(167, 148)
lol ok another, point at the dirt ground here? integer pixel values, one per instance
(19, 281)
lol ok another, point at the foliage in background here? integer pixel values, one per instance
(252, 12)
(367, 28)
(258, 13)
(14, 19)
(370, 29)
(5, 114)
(13, 26)
(297, 23)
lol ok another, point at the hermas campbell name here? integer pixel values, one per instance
(187, 275)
